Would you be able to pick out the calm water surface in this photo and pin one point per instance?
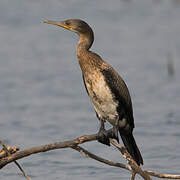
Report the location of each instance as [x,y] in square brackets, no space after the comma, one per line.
[42,97]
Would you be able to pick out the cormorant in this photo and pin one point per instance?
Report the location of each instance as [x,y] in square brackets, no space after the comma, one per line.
[106,89]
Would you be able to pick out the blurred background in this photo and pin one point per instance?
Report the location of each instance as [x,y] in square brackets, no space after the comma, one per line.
[43,99]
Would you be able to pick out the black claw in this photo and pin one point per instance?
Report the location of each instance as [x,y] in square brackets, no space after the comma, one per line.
[103,137]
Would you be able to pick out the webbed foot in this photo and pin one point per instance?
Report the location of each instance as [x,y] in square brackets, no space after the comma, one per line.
[103,137]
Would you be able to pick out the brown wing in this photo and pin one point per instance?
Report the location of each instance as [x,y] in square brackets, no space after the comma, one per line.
[120,92]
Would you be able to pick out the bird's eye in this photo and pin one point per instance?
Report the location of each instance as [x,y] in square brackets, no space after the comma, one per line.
[67,23]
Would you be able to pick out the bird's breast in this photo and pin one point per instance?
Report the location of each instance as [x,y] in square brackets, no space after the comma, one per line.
[101,96]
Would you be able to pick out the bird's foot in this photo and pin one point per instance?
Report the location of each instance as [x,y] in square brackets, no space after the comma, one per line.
[103,137]
[114,133]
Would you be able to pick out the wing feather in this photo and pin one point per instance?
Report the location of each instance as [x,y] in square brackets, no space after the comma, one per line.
[120,91]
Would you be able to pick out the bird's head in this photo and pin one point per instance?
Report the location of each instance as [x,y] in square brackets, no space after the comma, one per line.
[74,25]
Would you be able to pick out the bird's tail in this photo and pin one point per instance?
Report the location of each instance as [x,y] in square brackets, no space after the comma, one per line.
[131,147]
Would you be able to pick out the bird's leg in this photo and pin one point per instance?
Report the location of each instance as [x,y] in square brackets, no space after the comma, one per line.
[102,136]
[117,125]
[114,131]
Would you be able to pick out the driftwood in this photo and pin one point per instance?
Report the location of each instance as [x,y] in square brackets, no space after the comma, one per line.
[6,158]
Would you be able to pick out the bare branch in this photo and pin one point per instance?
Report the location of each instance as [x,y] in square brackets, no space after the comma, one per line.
[44,148]
[11,149]
[74,145]
[168,176]
[17,164]
[100,159]
[130,160]
[133,175]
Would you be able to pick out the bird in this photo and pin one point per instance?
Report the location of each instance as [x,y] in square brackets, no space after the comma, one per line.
[107,90]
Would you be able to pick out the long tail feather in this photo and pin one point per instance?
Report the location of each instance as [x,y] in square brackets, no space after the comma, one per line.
[132,148]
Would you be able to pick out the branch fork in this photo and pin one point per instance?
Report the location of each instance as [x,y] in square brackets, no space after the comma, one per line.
[132,166]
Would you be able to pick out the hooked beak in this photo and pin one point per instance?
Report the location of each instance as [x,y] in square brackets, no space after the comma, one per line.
[57,23]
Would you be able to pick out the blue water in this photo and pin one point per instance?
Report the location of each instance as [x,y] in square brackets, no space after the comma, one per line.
[42,97]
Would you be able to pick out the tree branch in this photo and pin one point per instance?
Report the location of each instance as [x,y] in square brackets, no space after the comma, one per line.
[11,149]
[38,149]
[100,159]
[74,144]
[131,162]
[133,175]
[168,176]
[17,164]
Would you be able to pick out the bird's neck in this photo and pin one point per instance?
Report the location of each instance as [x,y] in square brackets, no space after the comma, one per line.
[85,42]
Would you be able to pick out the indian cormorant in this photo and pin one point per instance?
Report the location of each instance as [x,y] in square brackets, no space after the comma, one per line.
[106,89]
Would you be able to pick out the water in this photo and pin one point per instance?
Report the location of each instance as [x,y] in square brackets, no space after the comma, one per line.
[42,98]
